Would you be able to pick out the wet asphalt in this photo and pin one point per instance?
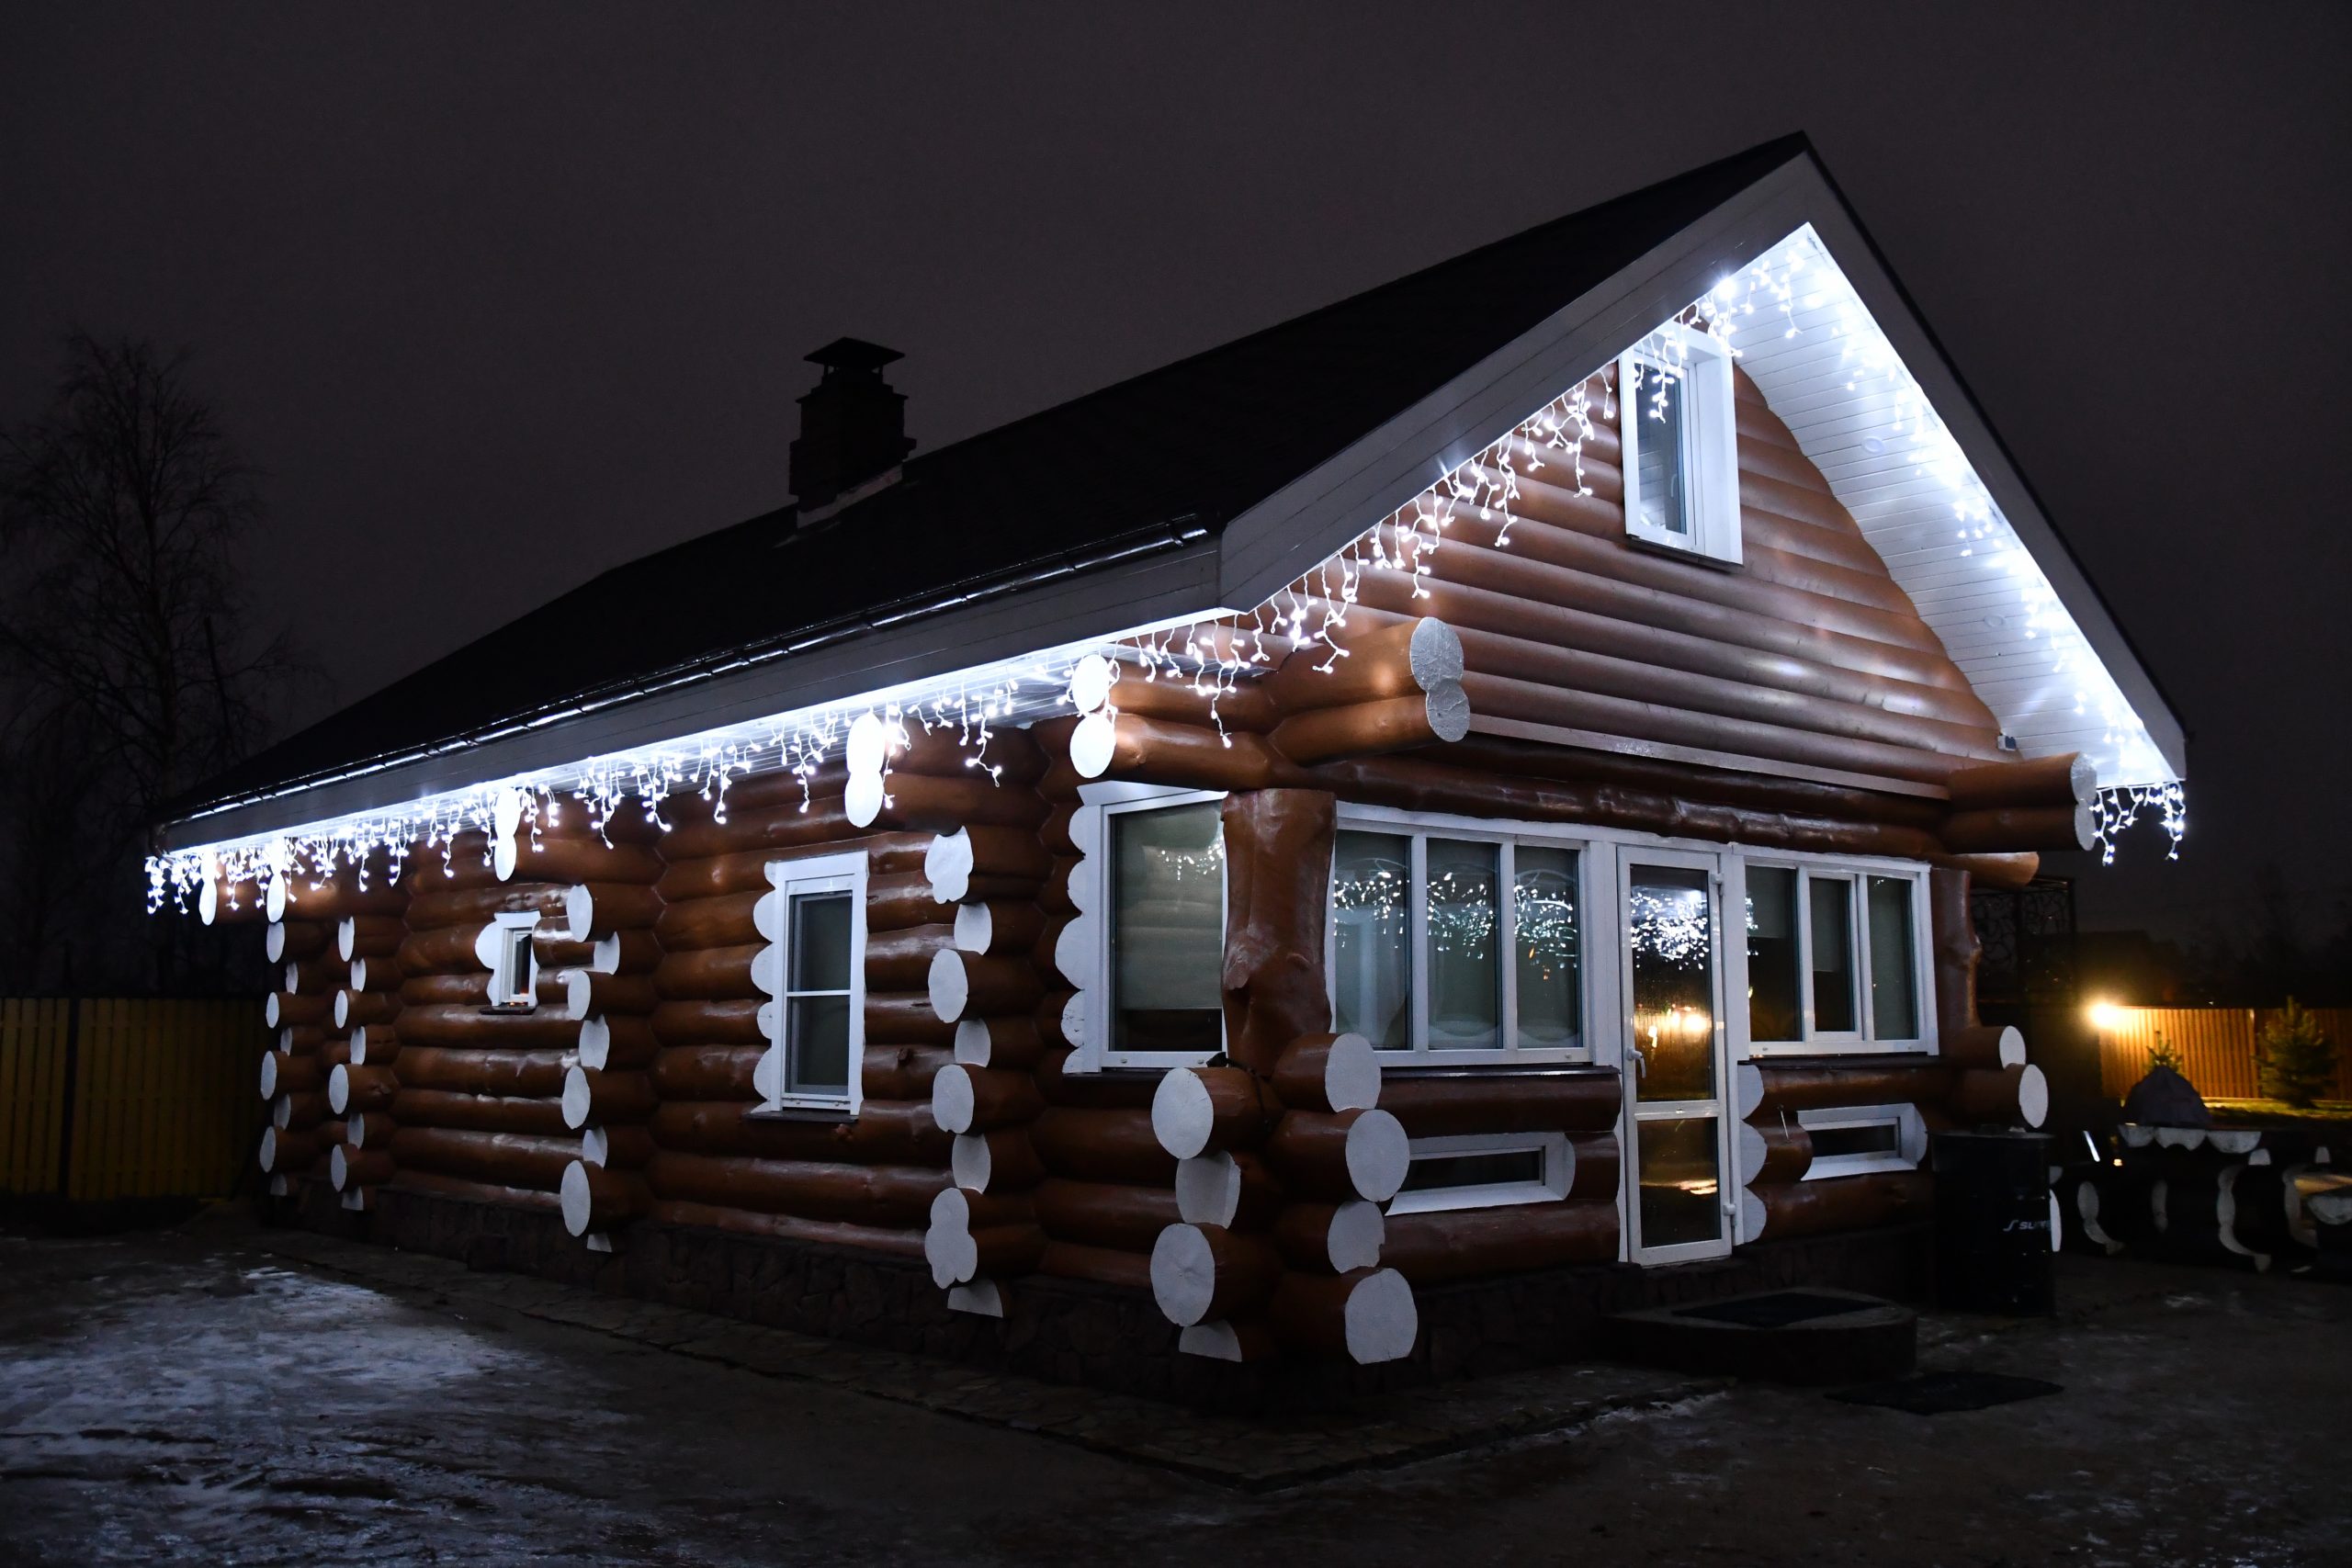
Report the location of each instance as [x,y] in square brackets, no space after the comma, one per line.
[185,1396]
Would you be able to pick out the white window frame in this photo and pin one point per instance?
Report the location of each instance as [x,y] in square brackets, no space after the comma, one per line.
[512,929]
[1710,449]
[1420,828]
[1552,1185]
[1910,1139]
[1091,830]
[1720,863]
[1856,871]
[843,873]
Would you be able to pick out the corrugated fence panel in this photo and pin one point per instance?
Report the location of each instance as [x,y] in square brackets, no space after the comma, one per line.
[32,1091]
[162,1096]
[2219,1048]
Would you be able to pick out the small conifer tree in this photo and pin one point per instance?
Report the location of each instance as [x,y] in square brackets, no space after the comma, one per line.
[2163,1053]
[2298,1060]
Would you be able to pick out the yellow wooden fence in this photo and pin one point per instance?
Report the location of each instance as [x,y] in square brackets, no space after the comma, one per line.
[2217,1047]
[105,1098]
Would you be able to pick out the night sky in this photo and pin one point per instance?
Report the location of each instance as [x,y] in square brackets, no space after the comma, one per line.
[500,297]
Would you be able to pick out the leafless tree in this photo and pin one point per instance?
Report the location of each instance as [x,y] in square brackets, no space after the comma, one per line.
[130,666]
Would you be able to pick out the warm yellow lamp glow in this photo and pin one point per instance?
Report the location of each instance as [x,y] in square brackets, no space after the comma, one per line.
[2106,1015]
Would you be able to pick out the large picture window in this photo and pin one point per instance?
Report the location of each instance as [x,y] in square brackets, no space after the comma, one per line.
[1457,946]
[1833,958]
[1681,451]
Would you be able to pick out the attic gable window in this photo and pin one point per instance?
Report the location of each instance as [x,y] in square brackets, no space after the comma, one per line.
[1680,444]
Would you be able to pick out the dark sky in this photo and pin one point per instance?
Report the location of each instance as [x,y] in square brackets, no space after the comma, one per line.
[501,295]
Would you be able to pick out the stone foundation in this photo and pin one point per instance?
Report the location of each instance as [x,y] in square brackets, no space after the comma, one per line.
[1075,1332]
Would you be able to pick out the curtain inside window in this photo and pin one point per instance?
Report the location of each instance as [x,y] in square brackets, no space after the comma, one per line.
[1372,955]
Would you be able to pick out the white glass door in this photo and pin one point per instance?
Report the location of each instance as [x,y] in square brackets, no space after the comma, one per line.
[1676,1124]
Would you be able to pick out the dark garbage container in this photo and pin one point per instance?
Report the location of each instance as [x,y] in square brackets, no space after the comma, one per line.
[1993,1222]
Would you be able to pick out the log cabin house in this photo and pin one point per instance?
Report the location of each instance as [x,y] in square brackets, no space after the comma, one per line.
[1375,843]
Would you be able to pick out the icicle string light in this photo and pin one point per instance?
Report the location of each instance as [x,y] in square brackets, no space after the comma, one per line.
[1794,281]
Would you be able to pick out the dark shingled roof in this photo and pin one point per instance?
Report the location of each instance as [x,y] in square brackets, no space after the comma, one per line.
[1185,448]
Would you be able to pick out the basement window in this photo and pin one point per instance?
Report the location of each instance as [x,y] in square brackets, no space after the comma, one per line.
[1834,958]
[513,967]
[1680,441]
[1428,956]
[1854,1139]
[1484,1171]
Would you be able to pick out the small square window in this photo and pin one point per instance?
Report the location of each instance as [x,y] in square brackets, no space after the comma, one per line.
[1680,446]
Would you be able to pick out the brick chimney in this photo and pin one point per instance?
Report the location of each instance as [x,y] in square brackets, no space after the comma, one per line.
[853,427]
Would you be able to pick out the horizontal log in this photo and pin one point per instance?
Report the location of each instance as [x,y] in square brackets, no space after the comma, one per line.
[1437,1104]
[434,1184]
[618,1044]
[2010,1096]
[1195,1109]
[734,1022]
[902,1072]
[286,1150]
[322,976]
[941,805]
[884,1195]
[364,1007]
[1002,1161]
[1329,1072]
[971,1236]
[290,942]
[431,908]
[282,1009]
[590,1095]
[1341,1155]
[1224,1188]
[883,1132]
[511,1159]
[1984,1046]
[1003,928]
[1437,1245]
[298,898]
[998,1041]
[349,1168]
[746,871]
[731,920]
[282,1074]
[902,1018]
[1787,1153]
[593,910]
[1372,665]
[902,960]
[982,1100]
[300,1040]
[1198,756]
[974,861]
[1104,1214]
[968,984]
[353,1089]
[884,1240]
[1331,1238]
[442,949]
[710,974]
[293,1112]
[596,1199]
[901,900]
[1205,1272]
[1367,1316]
[488,1028]
[1845,1203]
[617,1149]
[2069,779]
[466,1110]
[537,1074]
[2009,829]
[762,828]
[1863,1081]
[707,1072]
[1102,1265]
[583,993]
[1594,1160]
[1394,724]
[370,936]
[1102,1145]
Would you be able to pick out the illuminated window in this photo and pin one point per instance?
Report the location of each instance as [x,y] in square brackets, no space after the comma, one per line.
[1834,958]
[1163,860]
[1681,451]
[1428,956]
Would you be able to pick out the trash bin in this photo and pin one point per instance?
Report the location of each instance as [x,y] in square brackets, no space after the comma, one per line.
[1993,1222]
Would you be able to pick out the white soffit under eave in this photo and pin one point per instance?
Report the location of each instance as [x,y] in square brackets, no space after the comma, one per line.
[1983,569]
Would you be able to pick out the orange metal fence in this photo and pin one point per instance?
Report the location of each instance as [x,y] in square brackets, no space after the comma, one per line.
[2218,1047]
[105,1098]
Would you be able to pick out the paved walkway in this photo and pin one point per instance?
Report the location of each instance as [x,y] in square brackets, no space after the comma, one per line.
[1253,1455]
